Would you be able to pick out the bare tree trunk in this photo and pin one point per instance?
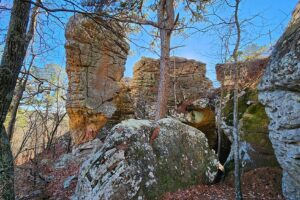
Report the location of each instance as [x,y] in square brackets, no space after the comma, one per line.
[6,168]
[236,139]
[219,121]
[12,60]
[52,134]
[166,23]
[16,101]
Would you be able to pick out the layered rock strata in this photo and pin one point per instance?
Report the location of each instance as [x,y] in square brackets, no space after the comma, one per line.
[280,93]
[96,55]
[189,92]
[250,73]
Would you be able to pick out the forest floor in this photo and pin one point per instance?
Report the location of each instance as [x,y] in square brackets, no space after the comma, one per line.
[257,184]
[260,184]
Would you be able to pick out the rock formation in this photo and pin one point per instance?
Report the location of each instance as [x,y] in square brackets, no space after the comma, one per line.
[280,93]
[188,94]
[250,73]
[256,148]
[95,64]
[141,159]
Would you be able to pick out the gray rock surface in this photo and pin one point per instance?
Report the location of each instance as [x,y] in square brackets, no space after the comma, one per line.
[79,154]
[280,93]
[142,159]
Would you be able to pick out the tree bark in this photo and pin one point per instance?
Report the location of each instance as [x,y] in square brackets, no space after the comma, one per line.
[11,62]
[219,121]
[166,24]
[20,90]
[236,138]
[6,168]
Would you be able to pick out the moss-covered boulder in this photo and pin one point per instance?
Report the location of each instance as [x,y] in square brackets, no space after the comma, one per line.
[254,134]
[142,159]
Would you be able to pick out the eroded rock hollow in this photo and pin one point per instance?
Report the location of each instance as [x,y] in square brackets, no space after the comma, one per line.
[256,148]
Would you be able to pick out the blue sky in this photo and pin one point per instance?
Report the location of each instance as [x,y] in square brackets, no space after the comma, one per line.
[273,16]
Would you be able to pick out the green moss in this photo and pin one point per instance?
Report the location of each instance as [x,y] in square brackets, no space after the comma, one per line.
[173,172]
[255,119]
[250,95]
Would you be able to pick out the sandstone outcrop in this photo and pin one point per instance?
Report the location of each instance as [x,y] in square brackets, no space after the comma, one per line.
[95,64]
[250,73]
[280,93]
[142,159]
[189,91]
[256,148]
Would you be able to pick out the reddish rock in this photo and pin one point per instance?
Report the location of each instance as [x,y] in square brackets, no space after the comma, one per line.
[250,73]
[95,66]
[188,92]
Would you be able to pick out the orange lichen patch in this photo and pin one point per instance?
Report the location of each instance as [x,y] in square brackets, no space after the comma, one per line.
[84,126]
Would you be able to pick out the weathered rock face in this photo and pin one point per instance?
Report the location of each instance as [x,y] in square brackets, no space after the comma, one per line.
[280,93]
[256,148]
[95,66]
[188,92]
[250,73]
[123,102]
[188,82]
[141,159]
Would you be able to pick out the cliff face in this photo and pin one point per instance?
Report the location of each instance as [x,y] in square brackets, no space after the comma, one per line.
[250,73]
[189,91]
[95,66]
[280,93]
[253,121]
[188,83]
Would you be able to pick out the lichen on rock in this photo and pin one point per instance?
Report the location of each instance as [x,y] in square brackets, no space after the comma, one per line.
[134,164]
[257,149]
[279,92]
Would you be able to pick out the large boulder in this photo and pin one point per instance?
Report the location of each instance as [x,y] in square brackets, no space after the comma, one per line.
[143,159]
[96,54]
[280,93]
